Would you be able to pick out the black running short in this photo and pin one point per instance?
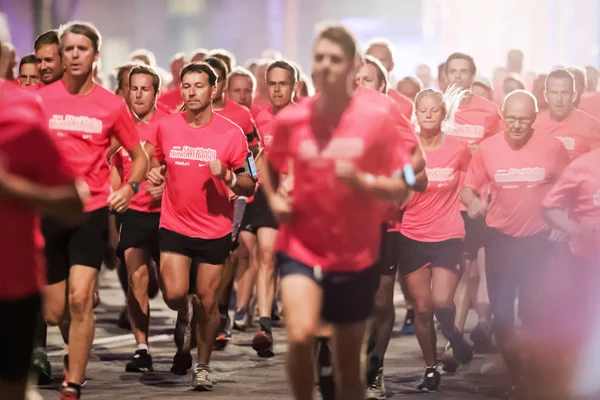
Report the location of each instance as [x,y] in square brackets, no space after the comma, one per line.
[389,253]
[258,214]
[16,337]
[139,230]
[84,244]
[209,251]
[475,230]
[348,297]
[415,255]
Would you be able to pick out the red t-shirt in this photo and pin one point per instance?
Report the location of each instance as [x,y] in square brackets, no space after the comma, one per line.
[434,216]
[240,116]
[590,103]
[518,179]
[82,126]
[195,203]
[171,100]
[142,201]
[258,107]
[26,150]
[335,227]
[403,102]
[579,132]
[475,121]
[578,192]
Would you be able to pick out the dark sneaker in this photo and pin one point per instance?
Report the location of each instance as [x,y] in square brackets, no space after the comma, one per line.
[181,363]
[431,381]
[202,380]
[449,363]
[376,391]
[482,339]
[140,362]
[224,335]
[239,320]
[461,349]
[41,367]
[408,328]
[263,344]
[325,370]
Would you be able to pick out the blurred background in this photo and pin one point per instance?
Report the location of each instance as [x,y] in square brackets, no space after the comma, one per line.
[549,32]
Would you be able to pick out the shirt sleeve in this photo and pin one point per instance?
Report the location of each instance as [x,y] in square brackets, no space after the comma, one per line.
[124,129]
[477,177]
[564,193]
[239,151]
[279,152]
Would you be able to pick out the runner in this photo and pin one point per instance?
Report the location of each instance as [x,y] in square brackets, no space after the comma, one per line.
[372,74]
[483,87]
[33,177]
[475,120]
[282,81]
[48,57]
[29,75]
[138,243]
[202,155]
[241,86]
[578,131]
[84,117]
[519,167]
[328,272]
[409,86]
[432,231]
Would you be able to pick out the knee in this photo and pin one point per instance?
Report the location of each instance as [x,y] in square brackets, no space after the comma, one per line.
[208,300]
[301,334]
[53,317]
[139,278]
[80,302]
[424,316]
[423,305]
[174,296]
[267,258]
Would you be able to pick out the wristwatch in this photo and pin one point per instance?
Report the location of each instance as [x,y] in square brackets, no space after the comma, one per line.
[135,186]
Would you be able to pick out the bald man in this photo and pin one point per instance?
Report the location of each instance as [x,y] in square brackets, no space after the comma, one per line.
[518,166]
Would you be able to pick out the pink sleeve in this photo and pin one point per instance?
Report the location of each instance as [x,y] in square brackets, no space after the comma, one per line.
[279,152]
[463,164]
[124,129]
[239,150]
[564,192]
[155,139]
[477,177]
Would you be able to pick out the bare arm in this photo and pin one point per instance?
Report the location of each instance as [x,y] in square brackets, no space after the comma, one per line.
[418,165]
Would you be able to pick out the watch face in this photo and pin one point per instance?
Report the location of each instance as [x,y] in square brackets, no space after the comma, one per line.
[135,186]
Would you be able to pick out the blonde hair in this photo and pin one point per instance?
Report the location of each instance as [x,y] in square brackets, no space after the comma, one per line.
[450,101]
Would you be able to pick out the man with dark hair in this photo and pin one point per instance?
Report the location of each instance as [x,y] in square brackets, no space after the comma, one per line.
[578,131]
[47,53]
[29,75]
[122,74]
[84,116]
[197,146]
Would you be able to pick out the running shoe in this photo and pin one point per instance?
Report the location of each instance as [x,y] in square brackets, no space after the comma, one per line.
[140,362]
[376,391]
[461,349]
[202,380]
[449,363]
[181,363]
[431,380]
[183,327]
[239,320]
[41,367]
[408,328]
[263,344]
[482,339]
[69,393]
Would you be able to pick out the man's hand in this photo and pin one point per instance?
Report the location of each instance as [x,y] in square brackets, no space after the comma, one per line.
[478,208]
[347,172]
[217,170]
[286,186]
[281,206]
[119,199]
[156,176]
[156,191]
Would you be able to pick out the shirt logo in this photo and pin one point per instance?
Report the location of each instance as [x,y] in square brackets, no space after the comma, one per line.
[515,175]
[440,174]
[76,124]
[568,142]
[597,198]
[193,153]
[468,131]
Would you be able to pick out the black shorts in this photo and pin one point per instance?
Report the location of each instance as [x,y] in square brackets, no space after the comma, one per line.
[66,246]
[415,255]
[209,251]
[389,253]
[139,230]
[16,337]
[258,214]
[348,297]
[475,231]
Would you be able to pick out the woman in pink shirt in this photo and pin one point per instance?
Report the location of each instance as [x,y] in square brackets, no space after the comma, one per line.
[433,231]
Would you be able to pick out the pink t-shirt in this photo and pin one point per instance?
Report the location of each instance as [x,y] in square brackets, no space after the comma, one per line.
[518,179]
[142,201]
[475,121]
[240,116]
[579,132]
[28,151]
[590,103]
[434,216]
[171,100]
[196,204]
[404,103]
[578,192]
[333,226]
[83,126]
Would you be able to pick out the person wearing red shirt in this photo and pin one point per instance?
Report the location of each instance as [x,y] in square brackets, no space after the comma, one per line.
[258,220]
[381,49]
[83,119]
[48,57]
[29,75]
[138,242]
[372,75]
[34,179]
[432,231]
[475,120]
[517,167]
[578,131]
[344,147]
[202,156]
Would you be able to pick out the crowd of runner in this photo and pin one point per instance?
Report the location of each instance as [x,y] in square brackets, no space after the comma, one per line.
[311,196]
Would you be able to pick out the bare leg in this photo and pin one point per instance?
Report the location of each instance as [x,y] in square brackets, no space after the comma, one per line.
[349,376]
[137,296]
[208,320]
